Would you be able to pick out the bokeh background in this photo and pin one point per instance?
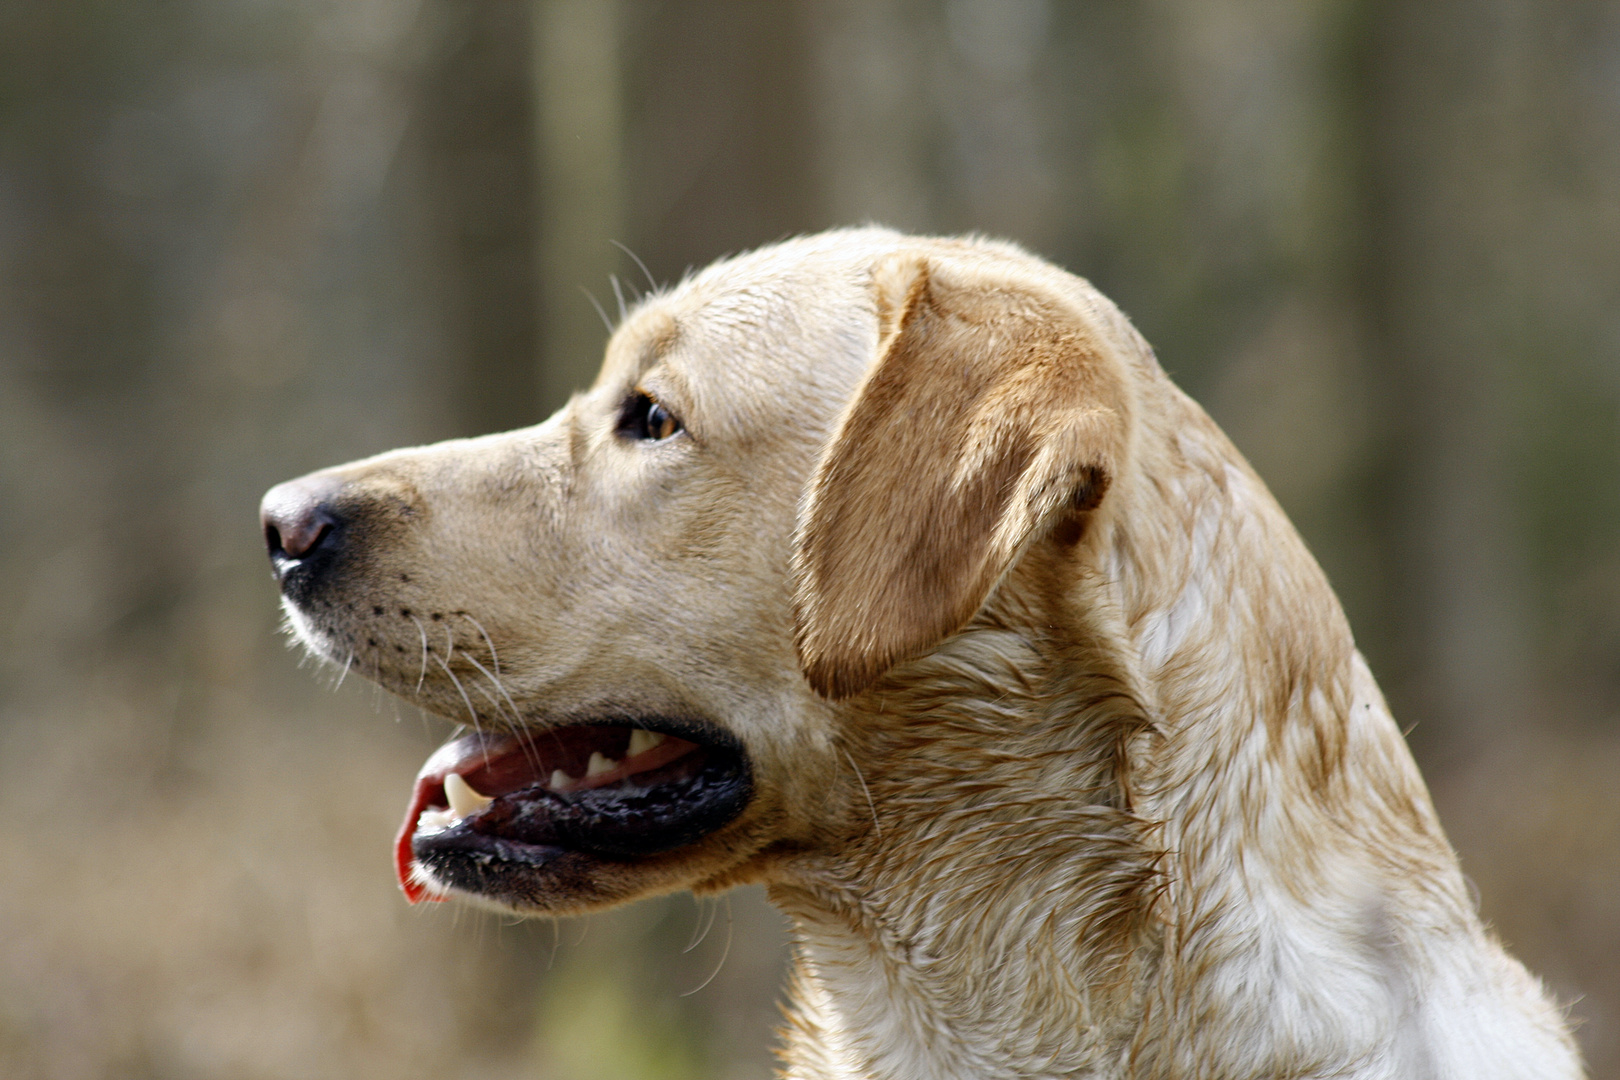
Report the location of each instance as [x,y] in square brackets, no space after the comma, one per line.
[241,239]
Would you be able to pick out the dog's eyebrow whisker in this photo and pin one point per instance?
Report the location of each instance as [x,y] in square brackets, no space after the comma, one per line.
[652,285]
[607,322]
[724,954]
[877,829]
[618,294]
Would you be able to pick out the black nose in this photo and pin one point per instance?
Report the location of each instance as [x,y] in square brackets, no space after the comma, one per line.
[299,522]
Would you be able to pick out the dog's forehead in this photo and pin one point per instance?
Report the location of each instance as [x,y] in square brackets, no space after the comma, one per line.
[785,326]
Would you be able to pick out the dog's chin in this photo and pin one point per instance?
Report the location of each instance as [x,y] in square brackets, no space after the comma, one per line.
[570,818]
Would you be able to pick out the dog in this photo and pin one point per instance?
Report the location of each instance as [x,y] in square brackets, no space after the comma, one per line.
[895,574]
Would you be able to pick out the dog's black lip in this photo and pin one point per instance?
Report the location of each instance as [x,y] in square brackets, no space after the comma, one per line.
[301,578]
[532,834]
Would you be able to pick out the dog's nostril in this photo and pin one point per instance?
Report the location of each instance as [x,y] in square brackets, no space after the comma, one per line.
[297,539]
[297,518]
[296,536]
[298,544]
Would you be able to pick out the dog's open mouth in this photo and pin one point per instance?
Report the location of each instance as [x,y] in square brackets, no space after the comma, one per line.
[489,806]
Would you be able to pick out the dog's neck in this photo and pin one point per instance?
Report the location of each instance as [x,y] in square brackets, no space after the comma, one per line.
[997,873]
[1049,879]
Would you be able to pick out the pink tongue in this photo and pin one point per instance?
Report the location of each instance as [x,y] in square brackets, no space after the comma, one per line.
[459,756]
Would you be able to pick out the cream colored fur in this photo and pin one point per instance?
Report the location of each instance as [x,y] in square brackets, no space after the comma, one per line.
[1065,760]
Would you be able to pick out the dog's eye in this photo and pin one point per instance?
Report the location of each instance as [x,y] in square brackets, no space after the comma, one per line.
[647,419]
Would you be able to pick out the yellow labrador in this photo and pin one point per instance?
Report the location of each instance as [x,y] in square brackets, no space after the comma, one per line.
[894,573]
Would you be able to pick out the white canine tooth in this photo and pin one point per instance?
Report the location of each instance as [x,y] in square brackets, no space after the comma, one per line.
[600,764]
[642,741]
[463,799]
[559,780]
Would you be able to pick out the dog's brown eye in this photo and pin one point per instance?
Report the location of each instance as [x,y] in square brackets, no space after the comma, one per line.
[647,419]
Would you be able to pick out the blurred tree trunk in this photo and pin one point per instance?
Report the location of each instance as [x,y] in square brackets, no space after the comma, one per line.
[720,149]
[1478,343]
[579,129]
[477,108]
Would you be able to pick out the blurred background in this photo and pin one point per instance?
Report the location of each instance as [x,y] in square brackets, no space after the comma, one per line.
[241,239]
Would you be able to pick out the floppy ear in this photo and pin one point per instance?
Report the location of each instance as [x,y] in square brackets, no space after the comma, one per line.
[992,412]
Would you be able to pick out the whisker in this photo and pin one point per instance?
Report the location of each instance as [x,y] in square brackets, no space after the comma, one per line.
[491,698]
[870,805]
[700,929]
[493,659]
[652,286]
[420,629]
[618,294]
[344,674]
[482,670]
[495,662]
[607,322]
[449,654]
[464,698]
[723,955]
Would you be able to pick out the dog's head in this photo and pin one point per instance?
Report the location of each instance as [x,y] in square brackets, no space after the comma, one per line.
[662,612]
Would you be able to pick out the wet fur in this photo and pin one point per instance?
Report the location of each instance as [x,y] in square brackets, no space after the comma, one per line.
[1066,763]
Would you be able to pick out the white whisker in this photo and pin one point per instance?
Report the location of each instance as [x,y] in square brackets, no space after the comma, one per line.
[700,929]
[723,955]
[618,294]
[485,672]
[344,674]
[607,322]
[651,284]
[420,629]
[493,659]
[464,698]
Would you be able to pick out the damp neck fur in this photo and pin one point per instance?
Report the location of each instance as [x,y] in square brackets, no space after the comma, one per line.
[1146,821]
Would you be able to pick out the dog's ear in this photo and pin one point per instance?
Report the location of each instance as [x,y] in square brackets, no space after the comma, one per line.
[993,413]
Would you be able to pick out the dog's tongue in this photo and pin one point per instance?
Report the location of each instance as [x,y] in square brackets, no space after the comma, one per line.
[456,756]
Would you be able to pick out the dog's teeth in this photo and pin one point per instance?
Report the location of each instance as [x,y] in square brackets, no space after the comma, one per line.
[559,780]
[434,820]
[600,764]
[463,799]
[642,741]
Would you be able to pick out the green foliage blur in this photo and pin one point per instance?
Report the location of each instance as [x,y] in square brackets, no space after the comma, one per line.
[241,239]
